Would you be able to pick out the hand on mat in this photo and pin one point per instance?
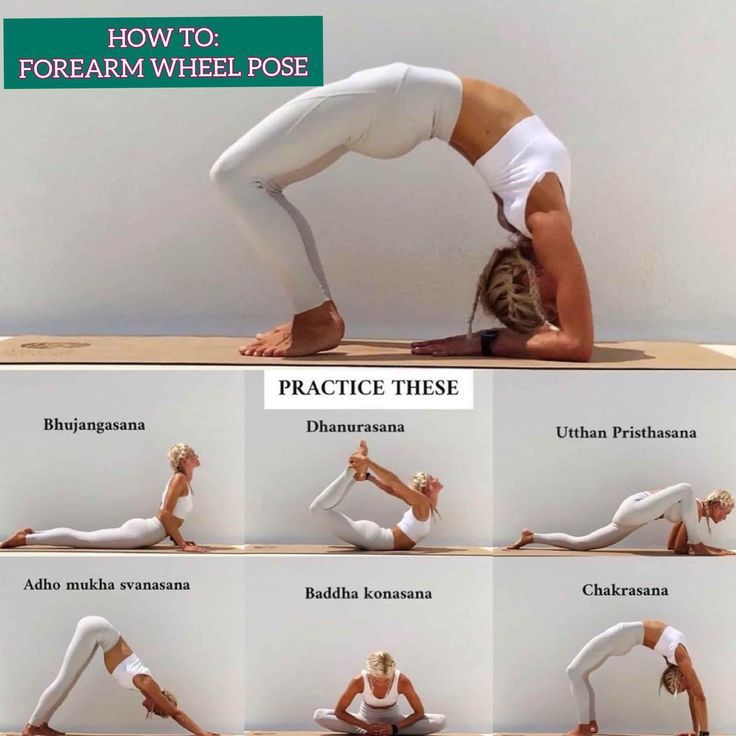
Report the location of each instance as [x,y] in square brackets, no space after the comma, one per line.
[192,547]
[455,345]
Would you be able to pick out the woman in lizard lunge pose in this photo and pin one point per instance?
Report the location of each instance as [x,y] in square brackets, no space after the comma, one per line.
[676,504]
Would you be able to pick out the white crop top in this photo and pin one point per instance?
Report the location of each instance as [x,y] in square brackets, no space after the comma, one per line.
[413,528]
[520,160]
[184,504]
[391,697]
[669,641]
[127,670]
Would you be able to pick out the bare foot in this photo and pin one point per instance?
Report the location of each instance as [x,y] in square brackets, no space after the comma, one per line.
[17,540]
[309,333]
[593,726]
[43,730]
[583,729]
[527,537]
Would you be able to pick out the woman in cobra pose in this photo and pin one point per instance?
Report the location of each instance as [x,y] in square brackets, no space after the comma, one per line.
[121,662]
[416,523]
[677,504]
[177,503]
[537,288]
[679,675]
[380,685]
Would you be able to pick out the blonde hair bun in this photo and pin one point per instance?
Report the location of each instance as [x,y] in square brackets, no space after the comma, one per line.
[380,664]
[176,454]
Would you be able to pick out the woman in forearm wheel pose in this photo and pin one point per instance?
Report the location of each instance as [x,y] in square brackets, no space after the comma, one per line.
[421,497]
[127,670]
[380,685]
[679,675]
[537,288]
[177,504]
[676,504]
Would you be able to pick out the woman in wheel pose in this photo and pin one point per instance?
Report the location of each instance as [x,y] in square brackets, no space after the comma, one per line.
[177,504]
[676,504]
[379,685]
[679,675]
[420,496]
[121,662]
[537,287]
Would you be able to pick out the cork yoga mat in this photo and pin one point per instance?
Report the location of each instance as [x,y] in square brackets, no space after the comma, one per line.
[616,552]
[159,549]
[328,549]
[48,349]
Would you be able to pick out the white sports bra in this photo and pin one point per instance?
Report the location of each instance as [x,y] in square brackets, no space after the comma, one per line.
[391,697]
[413,528]
[127,670]
[669,641]
[522,157]
[184,504]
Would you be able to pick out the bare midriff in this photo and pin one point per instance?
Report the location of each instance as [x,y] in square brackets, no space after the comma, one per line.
[487,113]
[117,654]
[401,541]
[653,631]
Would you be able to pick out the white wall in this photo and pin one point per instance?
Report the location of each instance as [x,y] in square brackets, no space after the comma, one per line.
[99,184]
[287,468]
[542,620]
[576,485]
[172,633]
[300,654]
[90,481]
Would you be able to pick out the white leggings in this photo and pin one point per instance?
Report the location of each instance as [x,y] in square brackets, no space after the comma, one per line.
[613,642]
[634,512]
[135,533]
[363,534]
[91,632]
[381,113]
[430,723]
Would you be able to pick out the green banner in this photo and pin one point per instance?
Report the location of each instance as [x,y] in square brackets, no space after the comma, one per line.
[257,51]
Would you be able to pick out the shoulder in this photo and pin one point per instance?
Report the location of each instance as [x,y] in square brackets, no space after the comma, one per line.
[178,481]
[682,656]
[356,683]
[404,682]
[145,683]
[551,221]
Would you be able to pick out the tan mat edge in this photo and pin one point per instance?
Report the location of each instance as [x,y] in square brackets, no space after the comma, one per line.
[329,549]
[188,350]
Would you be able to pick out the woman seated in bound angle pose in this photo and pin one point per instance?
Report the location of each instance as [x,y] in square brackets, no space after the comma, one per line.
[177,503]
[421,498]
[679,675]
[380,685]
[537,288]
[677,504]
[127,670]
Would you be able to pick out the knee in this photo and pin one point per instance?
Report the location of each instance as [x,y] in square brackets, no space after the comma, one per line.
[320,716]
[573,672]
[687,490]
[439,722]
[237,170]
[92,623]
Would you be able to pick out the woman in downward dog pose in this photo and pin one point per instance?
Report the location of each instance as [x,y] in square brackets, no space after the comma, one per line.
[380,685]
[537,288]
[177,504]
[677,504]
[679,675]
[415,524]
[127,670]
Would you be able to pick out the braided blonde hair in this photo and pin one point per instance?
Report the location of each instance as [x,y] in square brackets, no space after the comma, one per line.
[724,498]
[670,680]
[381,664]
[176,454]
[502,293]
[171,698]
